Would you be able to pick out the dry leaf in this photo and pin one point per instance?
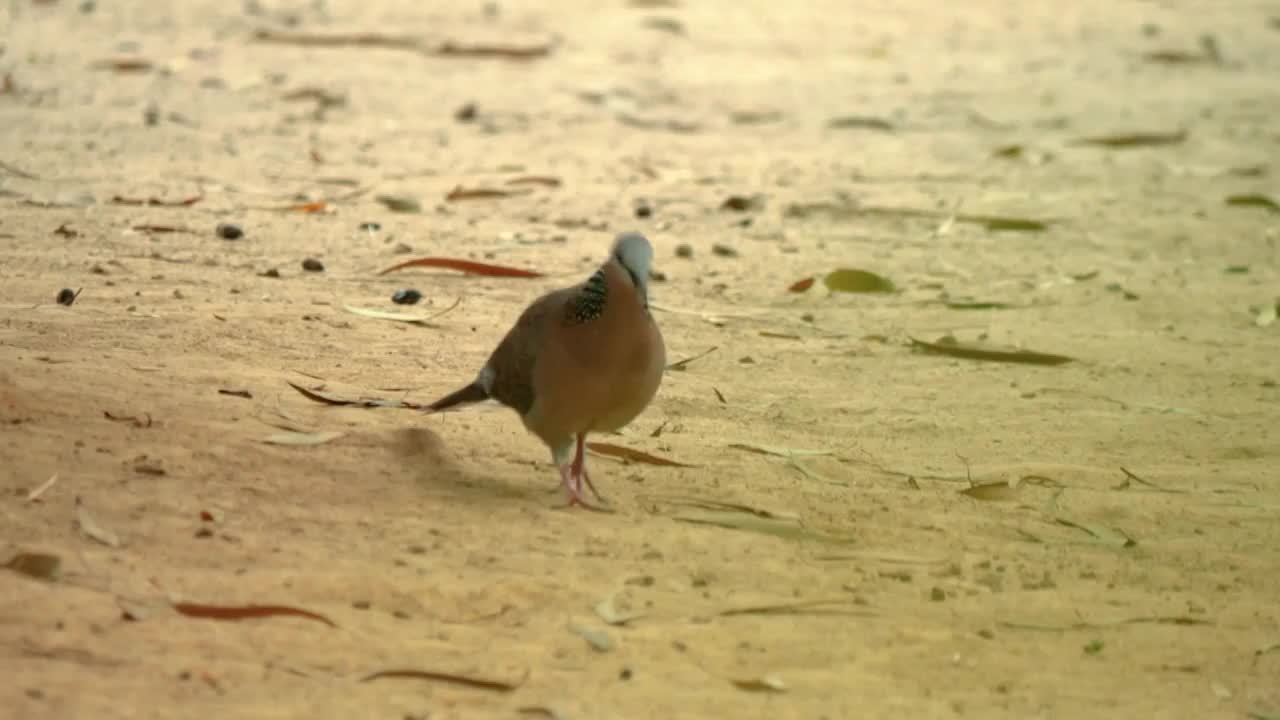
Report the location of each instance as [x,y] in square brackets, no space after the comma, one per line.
[157,202]
[461,193]
[34,495]
[1254,200]
[994,491]
[609,613]
[469,267]
[857,281]
[597,639]
[834,606]
[245,612]
[682,364]
[92,529]
[544,180]
[629,454]
[800,286]
[301,438]
[765,683]
[363,402]
[951,348]
[42,566]
[388,315]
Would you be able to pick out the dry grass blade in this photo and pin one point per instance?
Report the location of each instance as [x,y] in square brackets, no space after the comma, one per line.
[500,52]
[422,320]
[777,451]
[312,395]
[1254,200]
[469,267]
[684,364]
[765,683]
[1133,139]
[361,403]
[461,193]
[34,495]
[832,606]
[246,612]
[1104,535]
[338,40]
[982,352]
[993,491]
[448,677]
[302,438]
[43,566]
[632,455]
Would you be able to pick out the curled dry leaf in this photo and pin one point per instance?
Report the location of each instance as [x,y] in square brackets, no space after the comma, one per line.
[857,281]
[92,529]
[448,677]
[1254,200]
[43,566]
[469,267]
[949,347]
[246,612]
[632,455]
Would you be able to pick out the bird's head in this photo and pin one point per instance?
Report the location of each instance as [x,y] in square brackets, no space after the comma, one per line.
[634,253]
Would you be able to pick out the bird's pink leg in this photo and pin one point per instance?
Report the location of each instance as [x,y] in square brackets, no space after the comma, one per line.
[580,468]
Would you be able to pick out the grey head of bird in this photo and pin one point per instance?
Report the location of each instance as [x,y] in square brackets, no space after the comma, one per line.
[634,253]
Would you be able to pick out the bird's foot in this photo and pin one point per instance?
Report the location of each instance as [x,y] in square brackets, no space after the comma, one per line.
[572,485]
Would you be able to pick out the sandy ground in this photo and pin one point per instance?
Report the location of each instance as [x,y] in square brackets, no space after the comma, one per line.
[866,584]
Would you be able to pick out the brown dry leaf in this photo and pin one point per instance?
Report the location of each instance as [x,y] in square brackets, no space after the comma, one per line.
[319,206]
[1134,139]
[141,421]
[362,402]
[999,491]
[163,229]
[719,395]
[632,455]
[800,286]
[124,65]
[500,52]
[497,685]
[470,267]
[42,566]
[764,683]
[156,202]
[336,40]
[244,612]
[951,348]
[833,606]
[92,529]
[461,193]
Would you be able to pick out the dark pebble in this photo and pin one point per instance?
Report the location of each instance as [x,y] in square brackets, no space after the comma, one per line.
[229,231]
[408,296]
[271,273]
[643,210]
[370,227]
[67,296]
[684,250]
[312,265]
[466,113]
[724,250]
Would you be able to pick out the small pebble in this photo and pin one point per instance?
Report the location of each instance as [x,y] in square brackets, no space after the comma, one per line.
[151,116]
[407,296]
[370,227]
[684,250]
[657,276]
[67,296]
[724,250]
[402,249]
[312,265]
[270,273]
[229,231]
[643,210]
[466,113]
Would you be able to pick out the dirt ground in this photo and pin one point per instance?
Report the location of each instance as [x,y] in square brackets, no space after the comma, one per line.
[856,580]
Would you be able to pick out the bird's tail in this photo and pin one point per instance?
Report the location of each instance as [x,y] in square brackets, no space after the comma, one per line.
[472,393]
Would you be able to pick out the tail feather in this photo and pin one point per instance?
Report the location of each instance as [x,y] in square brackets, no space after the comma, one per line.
[472,393]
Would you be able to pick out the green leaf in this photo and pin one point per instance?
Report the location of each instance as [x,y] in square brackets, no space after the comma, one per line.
[857,281]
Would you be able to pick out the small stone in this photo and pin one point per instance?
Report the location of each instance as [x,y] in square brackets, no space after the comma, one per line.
[229,231]
[400,203]
[361,604]
[684,250]
[312,265]
[407,296]
[937,594]
[67,296]
[402,249]
[643,210]
[467,113]
[370,227]
[724,250]
[98,269]
[625,674]
[151,116]
[204,532]
[986,634]
[177,294]
[657,276]
[270,273]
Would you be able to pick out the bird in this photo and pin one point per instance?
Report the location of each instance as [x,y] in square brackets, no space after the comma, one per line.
[579,360]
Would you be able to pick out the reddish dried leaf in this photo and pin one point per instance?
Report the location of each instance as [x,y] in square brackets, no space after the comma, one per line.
[545,180]
[311,207]
[482,683]
[800,286]
[461,193]
[245,612]
[626,453]
[469,267]
[125,65]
